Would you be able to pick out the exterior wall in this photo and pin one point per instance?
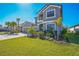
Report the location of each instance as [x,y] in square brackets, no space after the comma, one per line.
[57,13]
[45,21]
[24,26]
[77,28]
[23,29]
[50,23]
[72,30]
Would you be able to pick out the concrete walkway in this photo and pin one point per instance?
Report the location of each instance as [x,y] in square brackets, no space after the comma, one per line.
[4,37]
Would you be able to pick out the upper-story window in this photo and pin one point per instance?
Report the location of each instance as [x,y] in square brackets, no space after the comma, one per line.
[50,13]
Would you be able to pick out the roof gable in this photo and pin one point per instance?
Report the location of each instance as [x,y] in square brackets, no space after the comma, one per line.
[26,23]
[48,6]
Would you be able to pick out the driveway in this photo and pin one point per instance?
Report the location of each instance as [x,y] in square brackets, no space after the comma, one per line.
[4,37]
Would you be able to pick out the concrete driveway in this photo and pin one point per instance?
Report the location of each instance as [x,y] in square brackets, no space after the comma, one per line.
[4,37]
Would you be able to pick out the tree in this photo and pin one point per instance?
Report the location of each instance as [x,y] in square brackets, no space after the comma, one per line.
[13,24]
[18,20]
[8,25]
[32,32]
[58,23]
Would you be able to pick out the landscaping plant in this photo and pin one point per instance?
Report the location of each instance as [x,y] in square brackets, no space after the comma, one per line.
[32,32]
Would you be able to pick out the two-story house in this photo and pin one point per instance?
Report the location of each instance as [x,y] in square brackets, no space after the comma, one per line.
[47,15]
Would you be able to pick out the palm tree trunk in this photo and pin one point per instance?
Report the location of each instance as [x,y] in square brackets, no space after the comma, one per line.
[7,27]
[18,26]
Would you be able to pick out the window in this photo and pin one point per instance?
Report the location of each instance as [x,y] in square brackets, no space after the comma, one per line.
[50,26]
[50,13]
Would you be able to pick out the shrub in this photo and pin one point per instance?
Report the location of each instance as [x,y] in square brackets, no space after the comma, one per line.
[14,32]
[64,31]
[32,32]
[63,34]
[77,33]
[41,35]
[47,34]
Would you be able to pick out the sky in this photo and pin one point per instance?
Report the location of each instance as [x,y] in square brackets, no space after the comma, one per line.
[27,12]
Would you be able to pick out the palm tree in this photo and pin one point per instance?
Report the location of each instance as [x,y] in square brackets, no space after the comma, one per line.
[13,24]
[58,23]
[8,25]
[18,20]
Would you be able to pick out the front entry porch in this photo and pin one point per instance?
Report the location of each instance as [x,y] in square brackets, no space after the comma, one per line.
[47,26]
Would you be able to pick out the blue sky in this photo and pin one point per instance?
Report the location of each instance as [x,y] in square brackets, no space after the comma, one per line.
[27,12]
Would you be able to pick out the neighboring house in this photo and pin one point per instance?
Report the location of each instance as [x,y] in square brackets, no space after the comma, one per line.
[47,15]
[9,28]
[24,26]
[74,28]
[0,26]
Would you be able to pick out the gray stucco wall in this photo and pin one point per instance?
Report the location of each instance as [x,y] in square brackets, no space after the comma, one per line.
[58,13]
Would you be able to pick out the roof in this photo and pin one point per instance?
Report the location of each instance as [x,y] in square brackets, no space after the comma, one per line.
[46,5]
[77,25]
[26,24]
[74,25]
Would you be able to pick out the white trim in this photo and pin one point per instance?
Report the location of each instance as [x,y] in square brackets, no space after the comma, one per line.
[39,20]
[48,7]
[46,22]
[52,6]
[49,11]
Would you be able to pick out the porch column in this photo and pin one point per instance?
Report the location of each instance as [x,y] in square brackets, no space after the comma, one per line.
[37,27]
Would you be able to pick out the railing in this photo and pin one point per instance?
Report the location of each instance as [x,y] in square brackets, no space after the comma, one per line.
[39,20]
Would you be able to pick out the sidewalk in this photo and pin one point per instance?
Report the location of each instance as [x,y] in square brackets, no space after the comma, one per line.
[3,37]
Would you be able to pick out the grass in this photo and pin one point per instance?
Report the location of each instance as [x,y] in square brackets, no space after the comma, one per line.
[24,46]
[2,33]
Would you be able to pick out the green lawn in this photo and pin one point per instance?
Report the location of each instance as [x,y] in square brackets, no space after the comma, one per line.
[2,33]
[32,47]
